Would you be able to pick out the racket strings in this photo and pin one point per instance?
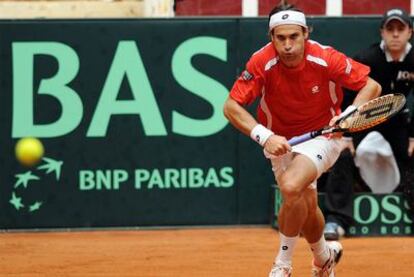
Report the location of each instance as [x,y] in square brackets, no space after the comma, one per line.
[375,112]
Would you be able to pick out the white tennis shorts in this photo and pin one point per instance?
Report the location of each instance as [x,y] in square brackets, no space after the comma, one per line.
[323,152]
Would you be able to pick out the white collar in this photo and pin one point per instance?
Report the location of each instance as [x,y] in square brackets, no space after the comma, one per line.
[388,55]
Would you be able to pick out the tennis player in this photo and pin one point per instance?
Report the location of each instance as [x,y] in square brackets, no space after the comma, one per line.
[299,84]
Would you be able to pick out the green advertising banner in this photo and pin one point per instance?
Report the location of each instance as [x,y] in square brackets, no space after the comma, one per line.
[130,116]
[374,214]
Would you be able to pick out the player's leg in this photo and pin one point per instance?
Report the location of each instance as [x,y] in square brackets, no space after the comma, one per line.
[310,160]
[326,254]
[313,228]
[292,181]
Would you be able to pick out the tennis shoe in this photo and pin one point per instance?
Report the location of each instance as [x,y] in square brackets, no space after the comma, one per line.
[281,271]
[328,269]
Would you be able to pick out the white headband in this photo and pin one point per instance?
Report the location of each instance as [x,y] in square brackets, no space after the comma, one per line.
[287,17]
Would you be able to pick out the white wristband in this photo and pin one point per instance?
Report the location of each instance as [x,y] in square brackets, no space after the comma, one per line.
[350,109]
[260,134]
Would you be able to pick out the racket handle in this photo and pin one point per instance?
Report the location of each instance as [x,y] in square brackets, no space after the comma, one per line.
[302,138]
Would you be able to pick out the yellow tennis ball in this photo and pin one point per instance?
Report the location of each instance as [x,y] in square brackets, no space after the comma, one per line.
[29,151]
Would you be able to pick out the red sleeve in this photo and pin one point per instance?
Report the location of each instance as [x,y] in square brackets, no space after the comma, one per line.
[347,72]
[249,84]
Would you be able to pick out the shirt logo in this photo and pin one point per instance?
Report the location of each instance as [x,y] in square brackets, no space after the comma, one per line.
[315,89]
[405,76]
[246,75]
[394,11]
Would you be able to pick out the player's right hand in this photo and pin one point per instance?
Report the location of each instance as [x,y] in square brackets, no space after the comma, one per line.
[277,145]
[334,120]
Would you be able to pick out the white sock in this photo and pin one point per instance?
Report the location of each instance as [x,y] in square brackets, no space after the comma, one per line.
[287,245]
[320,251]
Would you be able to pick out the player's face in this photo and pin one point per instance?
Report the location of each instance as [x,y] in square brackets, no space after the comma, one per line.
[289,41]
[396,35]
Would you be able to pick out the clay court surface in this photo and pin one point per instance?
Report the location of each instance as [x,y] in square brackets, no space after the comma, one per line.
[227,251]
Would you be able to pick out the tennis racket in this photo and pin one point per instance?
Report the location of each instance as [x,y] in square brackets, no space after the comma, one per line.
[367,115]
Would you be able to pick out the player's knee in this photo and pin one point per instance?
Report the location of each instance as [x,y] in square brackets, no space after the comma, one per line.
[290,192]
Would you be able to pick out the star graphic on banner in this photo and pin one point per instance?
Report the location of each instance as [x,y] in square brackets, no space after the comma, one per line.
[51,165]
[35,206]
[49,168]
[16,201]
[23,179]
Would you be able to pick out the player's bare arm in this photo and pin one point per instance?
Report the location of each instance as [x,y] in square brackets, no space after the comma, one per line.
[371,90]
[411,147]
[238,116]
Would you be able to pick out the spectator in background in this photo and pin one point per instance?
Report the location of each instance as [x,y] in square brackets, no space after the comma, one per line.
[392,65]
[299,83]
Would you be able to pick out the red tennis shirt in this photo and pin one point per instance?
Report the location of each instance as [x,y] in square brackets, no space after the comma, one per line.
[301,99]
